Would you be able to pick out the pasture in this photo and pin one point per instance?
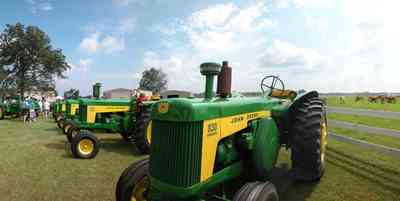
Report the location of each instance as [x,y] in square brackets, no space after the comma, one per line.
[350,102]
[36,165]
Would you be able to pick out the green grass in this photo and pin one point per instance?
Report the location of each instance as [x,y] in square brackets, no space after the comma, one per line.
[367,120]
[364,104]
[352,174]
[36,165]
[389,141]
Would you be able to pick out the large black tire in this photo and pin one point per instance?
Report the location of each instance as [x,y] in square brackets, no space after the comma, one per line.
[133,175]
[308,140]
[58,117]
[257,191]
[60,123]
[67,125]
[72,133]
[85,145]
[1,113]
[140,134]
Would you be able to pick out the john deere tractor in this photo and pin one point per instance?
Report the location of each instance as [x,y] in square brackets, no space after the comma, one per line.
[71,109]
[111,115]
[10,106]
[59,110]
[225,148]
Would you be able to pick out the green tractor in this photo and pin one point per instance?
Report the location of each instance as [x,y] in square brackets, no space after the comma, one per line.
[10,106]
[71,109]
[112,115]
[225,148]
[59,109]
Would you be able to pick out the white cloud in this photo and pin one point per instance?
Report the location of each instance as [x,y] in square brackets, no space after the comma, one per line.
[304,3]
[126,25]
[82,66]
[285,54]
[95,43]
[40,5]
[319,24]
[90,44]
[111,44]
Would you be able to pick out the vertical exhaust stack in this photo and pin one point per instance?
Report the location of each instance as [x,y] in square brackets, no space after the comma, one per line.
[224,84]
[209,70]
[96,90]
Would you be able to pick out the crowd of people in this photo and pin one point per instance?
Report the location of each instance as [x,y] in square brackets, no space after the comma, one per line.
[31,112]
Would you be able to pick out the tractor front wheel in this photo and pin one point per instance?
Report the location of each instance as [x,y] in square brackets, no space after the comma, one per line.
[72,133]
[85,145]
[257,191]
[140,136]
[67,126]
[61,123]
[133,182]
[308,140]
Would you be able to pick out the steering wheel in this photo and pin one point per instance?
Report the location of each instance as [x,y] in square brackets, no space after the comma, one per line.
[272,83]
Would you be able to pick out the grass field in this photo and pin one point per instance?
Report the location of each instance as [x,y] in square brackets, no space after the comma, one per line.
[369,137]
[350,102]
[35,165]
[366,120]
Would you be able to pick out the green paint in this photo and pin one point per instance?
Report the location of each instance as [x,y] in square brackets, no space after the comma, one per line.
[164,190]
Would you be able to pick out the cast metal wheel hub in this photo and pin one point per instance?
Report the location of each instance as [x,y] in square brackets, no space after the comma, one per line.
[86,146]
[140,188]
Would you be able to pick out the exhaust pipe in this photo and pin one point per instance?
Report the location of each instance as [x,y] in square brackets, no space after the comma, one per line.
[224,84]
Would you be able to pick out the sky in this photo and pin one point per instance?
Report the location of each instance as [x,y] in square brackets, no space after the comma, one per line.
[324,45]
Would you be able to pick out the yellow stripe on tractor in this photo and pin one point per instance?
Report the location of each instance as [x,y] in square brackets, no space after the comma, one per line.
[216,129]
[74,107]
[93,110]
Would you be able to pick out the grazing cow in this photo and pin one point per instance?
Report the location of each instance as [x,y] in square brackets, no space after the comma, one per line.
[373,99]
[359,98]
[341,100]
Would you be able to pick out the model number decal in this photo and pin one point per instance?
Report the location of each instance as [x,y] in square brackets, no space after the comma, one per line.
[212,128]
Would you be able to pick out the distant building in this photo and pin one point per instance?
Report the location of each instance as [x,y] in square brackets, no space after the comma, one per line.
[175,94]
[118,93]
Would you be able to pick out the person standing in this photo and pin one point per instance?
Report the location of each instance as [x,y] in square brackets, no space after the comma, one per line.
[46,107]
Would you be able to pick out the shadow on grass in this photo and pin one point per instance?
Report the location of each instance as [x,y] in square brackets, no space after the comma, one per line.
[118,146]
[380,176]
[288,189]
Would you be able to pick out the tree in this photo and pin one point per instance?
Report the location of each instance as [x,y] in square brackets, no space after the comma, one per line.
[154,80]
[27,59]
[72,94]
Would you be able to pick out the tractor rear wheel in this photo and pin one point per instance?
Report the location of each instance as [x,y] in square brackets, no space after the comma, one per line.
[257,191]
[72,133]
[133,182]
[1,113]
[140,136]
[308,140]
[85,145]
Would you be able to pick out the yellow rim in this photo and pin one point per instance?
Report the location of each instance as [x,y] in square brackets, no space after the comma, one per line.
[140,188]
[148,132]
[86,146]
[324,138]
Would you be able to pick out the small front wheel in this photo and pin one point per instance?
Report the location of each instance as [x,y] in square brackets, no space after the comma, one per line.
[85,145]
[134,182]
[257,191]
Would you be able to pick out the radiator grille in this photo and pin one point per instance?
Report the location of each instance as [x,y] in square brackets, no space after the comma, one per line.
[176,152]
